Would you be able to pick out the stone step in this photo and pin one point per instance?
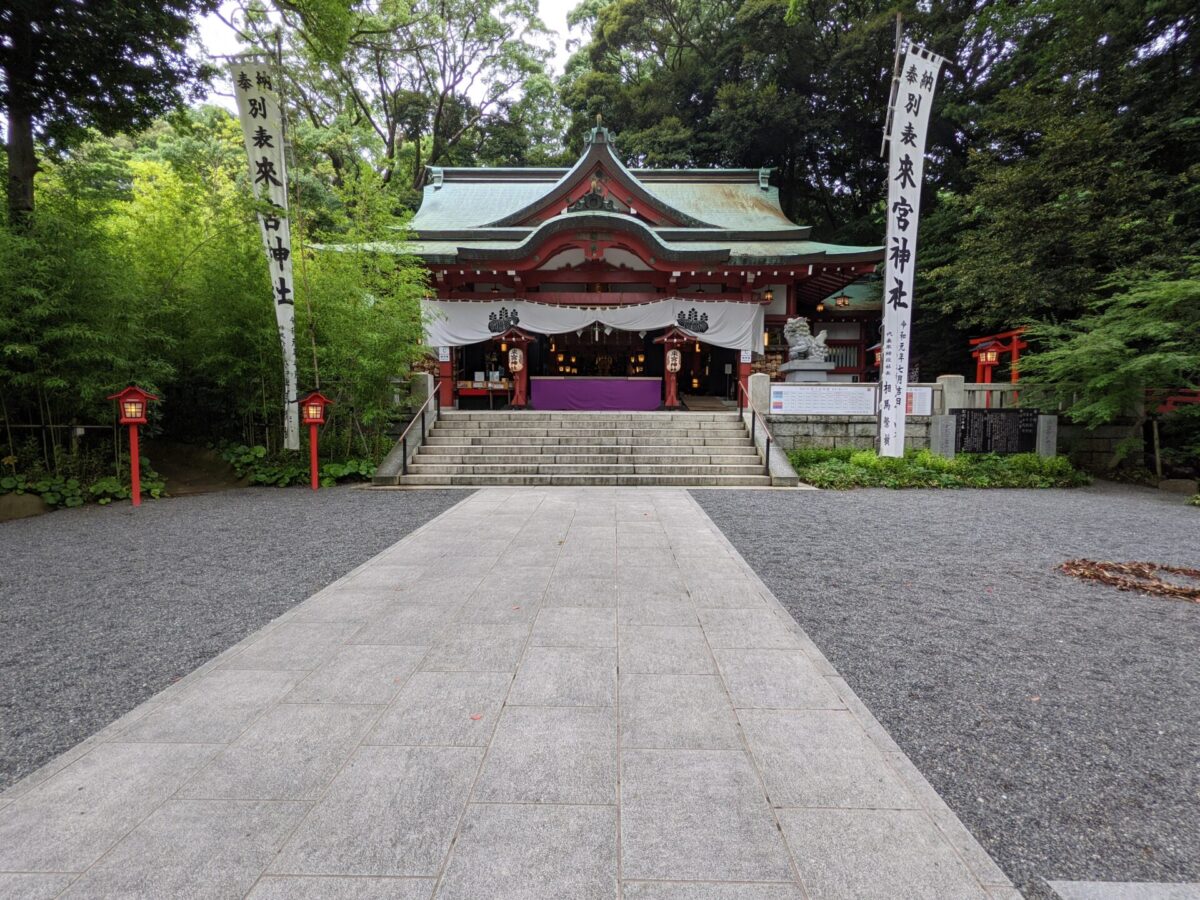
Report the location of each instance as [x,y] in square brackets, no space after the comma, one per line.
[423,468]
[436,439]
[517,422]
[589,480]
[452,415]
[496,432]
[585,448]
[748,458]
[605,436]
[533,448]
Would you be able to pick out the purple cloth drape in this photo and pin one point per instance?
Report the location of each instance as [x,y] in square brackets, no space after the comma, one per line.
[602,394]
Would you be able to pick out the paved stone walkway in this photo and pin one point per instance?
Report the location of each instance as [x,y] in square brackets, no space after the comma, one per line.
[558,693]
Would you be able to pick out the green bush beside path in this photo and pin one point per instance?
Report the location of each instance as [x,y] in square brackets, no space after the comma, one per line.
[847,468]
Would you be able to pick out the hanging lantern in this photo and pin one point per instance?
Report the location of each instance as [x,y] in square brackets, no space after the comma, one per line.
[516,360]
[503,347]
[674,360]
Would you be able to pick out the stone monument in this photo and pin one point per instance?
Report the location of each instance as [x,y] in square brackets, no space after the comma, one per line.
[807,355]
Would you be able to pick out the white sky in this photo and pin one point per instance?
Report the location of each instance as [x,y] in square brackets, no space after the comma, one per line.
[217,38]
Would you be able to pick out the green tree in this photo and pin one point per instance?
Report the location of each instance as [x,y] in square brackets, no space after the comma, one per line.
[1085,163]
[66,67]
[415,84]
[1140,342]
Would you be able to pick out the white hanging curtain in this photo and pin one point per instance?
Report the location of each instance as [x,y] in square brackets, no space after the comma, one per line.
[455,323]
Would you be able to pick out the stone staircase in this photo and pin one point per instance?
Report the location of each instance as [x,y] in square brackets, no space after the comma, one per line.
[585,448]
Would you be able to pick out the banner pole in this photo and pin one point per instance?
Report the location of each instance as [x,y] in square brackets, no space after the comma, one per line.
[913,86]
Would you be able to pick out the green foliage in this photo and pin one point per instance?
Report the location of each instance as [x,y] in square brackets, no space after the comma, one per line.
[54,490]
[1145,337]
[843,469]
[800,87]
[1194,501]
[143,263]
[394,87]
[66,67]
[60,491]
[351,470]
[1082,180]
[259,467]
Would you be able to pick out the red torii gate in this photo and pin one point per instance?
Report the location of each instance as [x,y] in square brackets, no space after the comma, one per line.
[987,351]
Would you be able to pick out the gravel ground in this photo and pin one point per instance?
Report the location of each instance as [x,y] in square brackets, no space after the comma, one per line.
[102,607]
[1060,719]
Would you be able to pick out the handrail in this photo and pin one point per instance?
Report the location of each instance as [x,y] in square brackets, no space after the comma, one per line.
[754,414]
[434,398]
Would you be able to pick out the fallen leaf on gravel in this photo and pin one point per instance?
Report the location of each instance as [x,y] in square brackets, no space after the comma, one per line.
[476,717]
[1137,576]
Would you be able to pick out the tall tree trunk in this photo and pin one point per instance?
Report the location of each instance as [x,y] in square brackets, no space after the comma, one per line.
[18,76]
[22,165]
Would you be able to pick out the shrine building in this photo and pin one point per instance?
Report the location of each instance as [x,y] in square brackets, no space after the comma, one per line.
[578,289]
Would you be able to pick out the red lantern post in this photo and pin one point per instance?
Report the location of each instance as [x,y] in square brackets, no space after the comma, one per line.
[131,411]
[673,340]
[517,357]
[312,412]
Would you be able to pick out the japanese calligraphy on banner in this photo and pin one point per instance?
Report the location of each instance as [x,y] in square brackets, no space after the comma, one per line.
[911,102]
[262,130]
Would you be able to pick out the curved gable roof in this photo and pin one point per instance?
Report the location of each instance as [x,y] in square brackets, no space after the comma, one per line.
[599,151]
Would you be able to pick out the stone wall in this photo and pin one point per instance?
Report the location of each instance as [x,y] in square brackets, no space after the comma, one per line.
[793,432]
[1096,450]
[1093,450]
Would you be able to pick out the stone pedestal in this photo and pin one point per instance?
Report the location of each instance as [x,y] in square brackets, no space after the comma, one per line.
[806,370]
[1047,436]
[942,433]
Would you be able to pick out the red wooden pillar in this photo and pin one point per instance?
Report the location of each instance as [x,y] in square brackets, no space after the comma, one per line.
[314,467]
[445,382]
[135,468]
[743,371]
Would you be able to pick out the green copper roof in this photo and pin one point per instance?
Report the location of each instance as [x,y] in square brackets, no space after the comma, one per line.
[865,296]
[724,216]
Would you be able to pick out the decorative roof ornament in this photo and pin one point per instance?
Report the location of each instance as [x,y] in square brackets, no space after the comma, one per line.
[595,200]
[599,134]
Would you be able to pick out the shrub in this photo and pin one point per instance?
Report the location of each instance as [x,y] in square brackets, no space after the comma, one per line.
[59,491]
[255,464]
[842,469]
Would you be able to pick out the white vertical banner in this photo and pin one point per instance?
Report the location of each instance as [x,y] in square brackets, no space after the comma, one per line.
[262,129]
[911,102]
